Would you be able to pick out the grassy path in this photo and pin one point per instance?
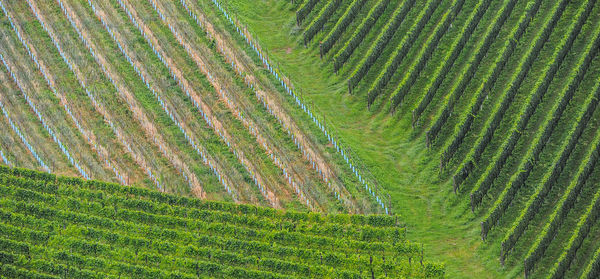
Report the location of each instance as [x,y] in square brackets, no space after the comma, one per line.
[386,144]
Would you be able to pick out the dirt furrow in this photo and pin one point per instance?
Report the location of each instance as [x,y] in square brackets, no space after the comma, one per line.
[353,162]
[37,116]
[98,148]
[99,107]
[29,87]
[15,153]
[15,127]
[272,101]
[233,188]
[202,106]
[135,107]
[293,178]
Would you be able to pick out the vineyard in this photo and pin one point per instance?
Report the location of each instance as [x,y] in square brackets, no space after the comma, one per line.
[494,102]
[154,94]
[58,227]
[300,138]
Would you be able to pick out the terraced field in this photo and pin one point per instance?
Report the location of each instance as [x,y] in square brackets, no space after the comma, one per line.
[494,99]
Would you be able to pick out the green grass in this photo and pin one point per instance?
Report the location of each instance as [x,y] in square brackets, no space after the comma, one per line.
[385,143]
[27,122]
[62,226]
[390,154]
[396,155]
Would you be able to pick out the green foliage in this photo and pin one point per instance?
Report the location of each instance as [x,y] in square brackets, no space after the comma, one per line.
[317,24]
[357,37]
[398,55]
[466,76]
[305,10]
[458,46]
[593,269]
[534,100]
[533,155]
[382,40]
[565,204]
[424,56]
[510,74]
[579,234]
[340,26]
[507,98]
[95,229]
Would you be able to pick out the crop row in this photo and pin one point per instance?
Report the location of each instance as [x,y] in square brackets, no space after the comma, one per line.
[77,69]
[175,217]
[431,44]
[248,221]
[285,83]
[220,208]
[43,121]
[382,40]
[92,265]
[14,153]
[116,247]
[112,224]
[517,79]
[550,179]
[317,24]
[50,81]
[508,95]
[200,104]
[251,128]
[167,151]
[98,106]
[305,10]
[125,94]
[482,92]
[565,204]
[550,123]
[23,139]
[89,211]
[142,73]
[580,232]
[593,269]
[465,76]
[150,237]
[300,140]
[340,27]
[532,101]
[14,74]
[4,159]
[398,55]
[358,36]
[450,58]
[255,129]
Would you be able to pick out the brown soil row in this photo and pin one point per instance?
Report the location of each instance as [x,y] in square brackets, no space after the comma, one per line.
[215,123]
[125,142]
[10,144]
[138,112]
[294,179]
[18,148]
[88,134]
[222,169]
[23,117]
[272,100]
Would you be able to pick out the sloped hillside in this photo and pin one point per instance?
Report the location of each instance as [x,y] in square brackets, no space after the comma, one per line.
[150,93]
[495,101]
[66,227]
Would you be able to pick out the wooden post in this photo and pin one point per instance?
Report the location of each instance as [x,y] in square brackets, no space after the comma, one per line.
[421,254]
